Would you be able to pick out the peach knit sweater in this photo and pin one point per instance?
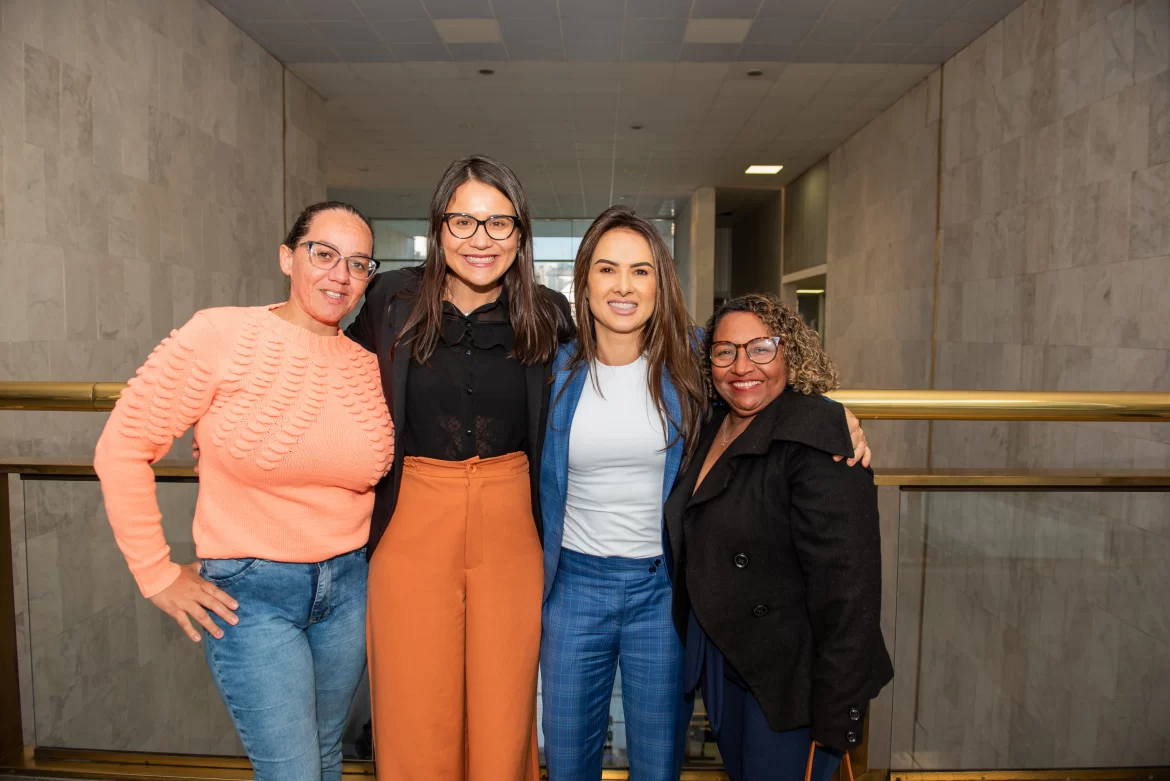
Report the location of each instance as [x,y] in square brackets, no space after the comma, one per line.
[293,436]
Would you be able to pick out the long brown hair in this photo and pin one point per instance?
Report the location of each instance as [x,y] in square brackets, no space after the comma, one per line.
[534,317]
[666,338]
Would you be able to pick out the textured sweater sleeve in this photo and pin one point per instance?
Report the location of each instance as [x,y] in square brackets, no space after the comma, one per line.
[171,391]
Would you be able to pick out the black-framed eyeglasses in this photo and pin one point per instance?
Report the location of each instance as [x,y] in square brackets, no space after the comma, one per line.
[326,256]
[464,226]
[759,351]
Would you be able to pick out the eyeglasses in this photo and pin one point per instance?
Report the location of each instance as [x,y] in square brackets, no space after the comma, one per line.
[759,351]
[325,256]
[464,226]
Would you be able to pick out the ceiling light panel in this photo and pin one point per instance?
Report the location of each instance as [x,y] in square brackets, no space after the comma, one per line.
[468,30]
[717,30]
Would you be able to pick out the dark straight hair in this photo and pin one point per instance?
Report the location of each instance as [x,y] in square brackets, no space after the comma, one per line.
[667,339]
[535,319]
[301,223]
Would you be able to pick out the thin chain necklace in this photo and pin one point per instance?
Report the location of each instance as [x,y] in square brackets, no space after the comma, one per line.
[726,438]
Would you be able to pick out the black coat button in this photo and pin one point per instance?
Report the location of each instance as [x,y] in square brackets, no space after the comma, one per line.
[741,560]
[759,611]
[851,736]
[855,714]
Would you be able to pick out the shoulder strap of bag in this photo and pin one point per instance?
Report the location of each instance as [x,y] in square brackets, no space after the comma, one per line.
[812,750]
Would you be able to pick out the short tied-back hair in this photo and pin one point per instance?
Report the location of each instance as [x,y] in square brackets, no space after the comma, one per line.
[301,223]
[809,369]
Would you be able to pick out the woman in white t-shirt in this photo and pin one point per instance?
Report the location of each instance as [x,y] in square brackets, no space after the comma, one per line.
[627,402]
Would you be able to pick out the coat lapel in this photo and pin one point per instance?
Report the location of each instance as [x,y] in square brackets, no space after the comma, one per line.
[535,377]
[721,471]
[674,454]
[399,369]
[399,310]
[562,416]
[680,497]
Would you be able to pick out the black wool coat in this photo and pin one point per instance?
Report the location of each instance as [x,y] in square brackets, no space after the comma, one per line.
[779,554]
[389,299]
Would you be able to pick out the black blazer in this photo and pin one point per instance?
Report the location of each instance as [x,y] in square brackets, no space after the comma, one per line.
[779,554]
[388,301]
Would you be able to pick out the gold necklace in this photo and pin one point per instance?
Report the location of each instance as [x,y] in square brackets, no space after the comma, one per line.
[726,440]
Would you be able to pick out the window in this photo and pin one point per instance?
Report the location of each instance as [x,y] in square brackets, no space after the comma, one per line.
[403,243]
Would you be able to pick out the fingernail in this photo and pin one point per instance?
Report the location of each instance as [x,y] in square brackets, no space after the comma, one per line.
[235,606]
[235,620]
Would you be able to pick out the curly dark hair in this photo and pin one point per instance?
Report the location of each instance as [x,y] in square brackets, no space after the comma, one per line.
[809,369]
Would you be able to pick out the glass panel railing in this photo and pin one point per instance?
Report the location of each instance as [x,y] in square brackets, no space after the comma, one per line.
[110,672]
[1032,630]
[1026,610]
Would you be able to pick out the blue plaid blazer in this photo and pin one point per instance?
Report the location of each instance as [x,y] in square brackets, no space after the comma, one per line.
[554,462]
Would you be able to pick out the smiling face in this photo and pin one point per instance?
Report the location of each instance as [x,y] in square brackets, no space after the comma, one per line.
[319,298]
[477,264]
[747,387]
[623,283]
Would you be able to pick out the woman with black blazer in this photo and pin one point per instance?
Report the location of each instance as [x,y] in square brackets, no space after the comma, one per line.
[464,345]
[777,553]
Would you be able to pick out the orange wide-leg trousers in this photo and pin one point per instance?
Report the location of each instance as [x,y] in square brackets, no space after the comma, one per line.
[453,626]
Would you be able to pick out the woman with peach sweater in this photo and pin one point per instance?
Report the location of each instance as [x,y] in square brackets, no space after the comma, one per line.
[293,436]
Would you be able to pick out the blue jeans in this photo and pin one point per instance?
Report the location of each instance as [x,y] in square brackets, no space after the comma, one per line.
[289,670]
[601,613]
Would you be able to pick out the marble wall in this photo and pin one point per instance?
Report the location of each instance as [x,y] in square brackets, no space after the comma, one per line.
[880,283]
[306,121]
[1045,639]
[757,244]
[105,669]
[1042,641]
[694,252]
[144,175]
[806,219]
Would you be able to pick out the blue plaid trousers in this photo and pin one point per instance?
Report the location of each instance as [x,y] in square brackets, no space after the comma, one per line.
[602,613]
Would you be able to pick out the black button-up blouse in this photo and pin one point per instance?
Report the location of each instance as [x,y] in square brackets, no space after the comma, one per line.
[470,400]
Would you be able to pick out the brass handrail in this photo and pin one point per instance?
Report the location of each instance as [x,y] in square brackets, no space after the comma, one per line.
[62,396]
[869,404]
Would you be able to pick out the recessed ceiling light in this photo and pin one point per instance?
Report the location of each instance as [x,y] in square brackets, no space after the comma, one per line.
[364,170]
[636,127]
[486,71]
[755,72]
[468,30]
[716,30]
[809,292]
[763,169]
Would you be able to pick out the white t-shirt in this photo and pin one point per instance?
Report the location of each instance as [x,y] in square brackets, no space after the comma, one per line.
[617,459]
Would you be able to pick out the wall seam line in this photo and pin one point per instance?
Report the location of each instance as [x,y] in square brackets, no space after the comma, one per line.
[937,256]
[930,424]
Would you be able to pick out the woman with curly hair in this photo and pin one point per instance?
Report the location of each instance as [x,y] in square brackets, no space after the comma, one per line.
[776,553]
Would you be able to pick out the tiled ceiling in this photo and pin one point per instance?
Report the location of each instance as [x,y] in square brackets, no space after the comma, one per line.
[569,128]
[862,31]
[595,102]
